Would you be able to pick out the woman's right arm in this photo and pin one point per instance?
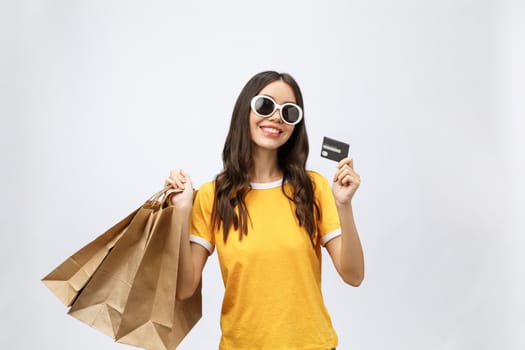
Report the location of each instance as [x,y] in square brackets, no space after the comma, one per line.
[192,256]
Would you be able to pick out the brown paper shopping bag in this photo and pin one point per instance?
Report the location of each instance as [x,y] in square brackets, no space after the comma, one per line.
[103,299]
[68,279]
[153,318]
[130,292]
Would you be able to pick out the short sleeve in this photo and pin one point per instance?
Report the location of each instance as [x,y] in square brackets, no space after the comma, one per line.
[328,225]
[200,227]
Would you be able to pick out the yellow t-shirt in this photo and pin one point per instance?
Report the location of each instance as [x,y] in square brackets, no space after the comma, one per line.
[272,277]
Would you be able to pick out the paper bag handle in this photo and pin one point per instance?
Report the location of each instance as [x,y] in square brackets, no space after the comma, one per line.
[159,199]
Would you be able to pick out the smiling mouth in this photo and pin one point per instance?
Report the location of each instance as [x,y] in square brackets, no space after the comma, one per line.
[270,130]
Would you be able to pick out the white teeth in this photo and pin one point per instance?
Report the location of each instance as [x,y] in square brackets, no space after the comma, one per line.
[271,130]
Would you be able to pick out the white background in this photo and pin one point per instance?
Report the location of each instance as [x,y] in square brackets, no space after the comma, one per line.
[100,99]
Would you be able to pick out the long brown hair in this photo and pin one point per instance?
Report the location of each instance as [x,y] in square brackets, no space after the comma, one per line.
[233,183]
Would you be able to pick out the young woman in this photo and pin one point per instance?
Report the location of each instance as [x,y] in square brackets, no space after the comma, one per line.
[267,217]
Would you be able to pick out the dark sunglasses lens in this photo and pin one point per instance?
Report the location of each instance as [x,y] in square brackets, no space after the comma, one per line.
[264,106]
[291,114]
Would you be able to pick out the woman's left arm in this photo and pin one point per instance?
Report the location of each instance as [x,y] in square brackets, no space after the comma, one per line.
[345,250]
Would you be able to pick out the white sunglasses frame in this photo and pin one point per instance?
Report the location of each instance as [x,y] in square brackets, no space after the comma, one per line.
[276,107]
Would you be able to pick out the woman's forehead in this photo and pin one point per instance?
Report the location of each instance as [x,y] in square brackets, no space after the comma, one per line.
[280,91]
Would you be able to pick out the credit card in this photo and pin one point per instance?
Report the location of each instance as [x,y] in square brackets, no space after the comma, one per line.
[333,149]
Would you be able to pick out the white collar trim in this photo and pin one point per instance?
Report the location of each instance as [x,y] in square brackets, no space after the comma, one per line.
[266,185]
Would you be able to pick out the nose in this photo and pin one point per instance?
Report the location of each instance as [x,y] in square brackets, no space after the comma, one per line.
[276,116]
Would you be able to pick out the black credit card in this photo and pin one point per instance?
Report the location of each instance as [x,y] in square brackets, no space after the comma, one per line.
[333,149]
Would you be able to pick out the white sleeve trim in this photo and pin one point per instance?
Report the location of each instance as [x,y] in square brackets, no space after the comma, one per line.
[202,242]
[329,236]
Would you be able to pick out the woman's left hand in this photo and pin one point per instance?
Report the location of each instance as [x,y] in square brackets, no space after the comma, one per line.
[346,181]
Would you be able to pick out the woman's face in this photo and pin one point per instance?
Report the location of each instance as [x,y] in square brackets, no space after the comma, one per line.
[271,133]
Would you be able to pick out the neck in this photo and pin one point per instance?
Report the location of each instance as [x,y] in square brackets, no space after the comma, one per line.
[265,166]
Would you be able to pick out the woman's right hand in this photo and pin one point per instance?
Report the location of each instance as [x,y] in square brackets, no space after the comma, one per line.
[180,181]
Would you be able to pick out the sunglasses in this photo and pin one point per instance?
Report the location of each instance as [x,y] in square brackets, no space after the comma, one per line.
[265,106]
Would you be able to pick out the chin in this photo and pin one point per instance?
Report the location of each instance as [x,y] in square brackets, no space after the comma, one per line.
[268,144]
